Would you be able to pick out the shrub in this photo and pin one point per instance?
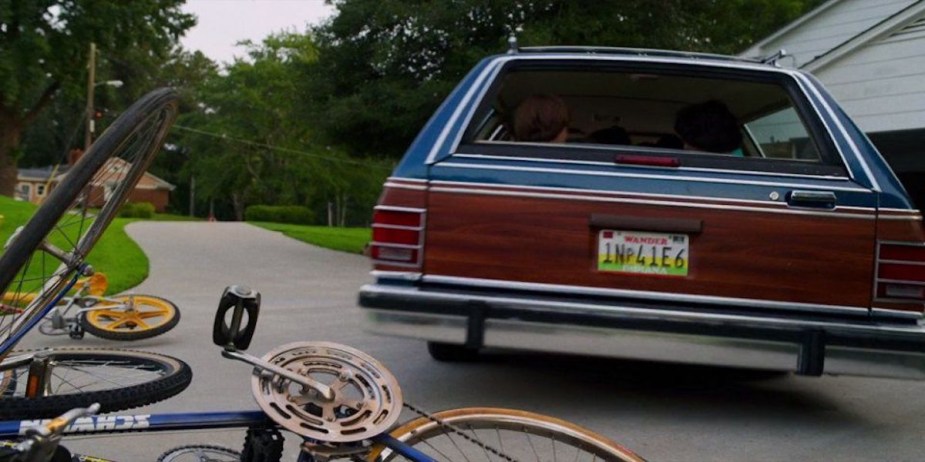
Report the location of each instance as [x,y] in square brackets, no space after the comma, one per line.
[292,214]
[137,210]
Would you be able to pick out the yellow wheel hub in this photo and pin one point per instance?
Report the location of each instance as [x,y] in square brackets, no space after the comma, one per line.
[131,313]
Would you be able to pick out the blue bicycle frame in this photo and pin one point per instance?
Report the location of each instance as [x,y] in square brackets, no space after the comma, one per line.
[119,423]
[9,343]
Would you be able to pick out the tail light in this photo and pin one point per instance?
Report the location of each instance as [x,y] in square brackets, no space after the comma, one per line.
[901,272]
[398,236]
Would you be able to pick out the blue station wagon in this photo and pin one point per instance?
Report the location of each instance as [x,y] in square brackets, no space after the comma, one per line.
[695,208]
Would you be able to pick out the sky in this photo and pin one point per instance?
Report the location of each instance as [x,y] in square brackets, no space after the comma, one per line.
[222,23]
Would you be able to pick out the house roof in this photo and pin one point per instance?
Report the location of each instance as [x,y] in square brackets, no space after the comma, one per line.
[796,23]
[853,30]
[887,26]
[41,173]
[45,173]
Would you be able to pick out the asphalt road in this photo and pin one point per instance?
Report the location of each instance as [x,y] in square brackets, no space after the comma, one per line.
[662,411]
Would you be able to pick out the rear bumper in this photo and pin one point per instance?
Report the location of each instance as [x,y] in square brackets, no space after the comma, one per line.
[525,321]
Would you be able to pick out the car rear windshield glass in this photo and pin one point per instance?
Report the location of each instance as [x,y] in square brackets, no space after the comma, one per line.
[703,117]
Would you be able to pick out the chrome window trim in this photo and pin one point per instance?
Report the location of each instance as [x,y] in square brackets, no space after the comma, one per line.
[439,184]
[653,177]
[641,294]
[901,218]
[410,180]
[390,184]
[875,185]
[492,68]
[832,213]
[612,164]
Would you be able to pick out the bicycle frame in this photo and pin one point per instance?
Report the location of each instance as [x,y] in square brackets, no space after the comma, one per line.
[59,316]
[122,423]
[29,324]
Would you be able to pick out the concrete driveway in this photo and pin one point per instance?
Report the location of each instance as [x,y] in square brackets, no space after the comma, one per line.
[664,412]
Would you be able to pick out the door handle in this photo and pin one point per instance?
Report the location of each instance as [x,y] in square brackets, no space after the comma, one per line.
[812,199]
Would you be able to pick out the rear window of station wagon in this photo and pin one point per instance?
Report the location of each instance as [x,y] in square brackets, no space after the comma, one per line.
[620,111]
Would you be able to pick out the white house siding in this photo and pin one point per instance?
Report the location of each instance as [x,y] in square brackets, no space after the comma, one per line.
[882,83]
[834,23]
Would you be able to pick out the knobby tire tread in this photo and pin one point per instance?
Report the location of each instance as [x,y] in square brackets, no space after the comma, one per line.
[18,408]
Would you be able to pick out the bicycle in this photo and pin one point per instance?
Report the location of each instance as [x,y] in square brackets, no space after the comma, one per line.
[344,404]
[46,257]
[125,317]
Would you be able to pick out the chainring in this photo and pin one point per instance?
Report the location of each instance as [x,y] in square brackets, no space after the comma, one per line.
[367,398]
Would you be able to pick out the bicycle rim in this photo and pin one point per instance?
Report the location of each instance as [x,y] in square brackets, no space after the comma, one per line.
[77,212]
[117,379]
[131,317]
[493,434]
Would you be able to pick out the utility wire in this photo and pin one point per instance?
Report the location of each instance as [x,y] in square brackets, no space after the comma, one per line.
[277,148]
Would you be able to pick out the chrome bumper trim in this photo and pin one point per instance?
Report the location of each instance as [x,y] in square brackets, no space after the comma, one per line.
[443,325]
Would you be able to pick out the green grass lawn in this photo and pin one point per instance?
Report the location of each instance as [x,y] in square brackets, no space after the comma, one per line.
[116,255]
[344,239]
[126,266]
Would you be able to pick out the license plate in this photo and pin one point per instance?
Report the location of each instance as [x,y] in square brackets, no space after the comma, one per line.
[644,253]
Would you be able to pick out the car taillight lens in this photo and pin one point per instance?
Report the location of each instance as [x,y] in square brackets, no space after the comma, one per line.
[901,271]
[398,236]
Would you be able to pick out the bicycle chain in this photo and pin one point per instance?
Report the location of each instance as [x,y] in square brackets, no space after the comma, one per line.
[452,428]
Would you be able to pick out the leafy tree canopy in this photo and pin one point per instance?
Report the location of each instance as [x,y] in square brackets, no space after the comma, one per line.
[44,47]
[384,65]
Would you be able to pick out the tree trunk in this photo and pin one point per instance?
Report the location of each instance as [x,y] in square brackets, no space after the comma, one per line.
[343,211]
[9,142]
[238,205]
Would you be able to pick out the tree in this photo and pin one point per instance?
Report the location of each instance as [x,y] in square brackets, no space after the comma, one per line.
[44,47]
[249,141]
[385,65]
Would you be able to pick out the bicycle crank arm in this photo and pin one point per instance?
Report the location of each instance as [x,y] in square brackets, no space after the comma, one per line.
[322,389]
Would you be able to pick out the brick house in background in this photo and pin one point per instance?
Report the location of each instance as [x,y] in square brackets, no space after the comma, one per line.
[34,184]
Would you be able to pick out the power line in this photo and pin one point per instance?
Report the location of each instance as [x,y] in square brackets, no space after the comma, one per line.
[277,148]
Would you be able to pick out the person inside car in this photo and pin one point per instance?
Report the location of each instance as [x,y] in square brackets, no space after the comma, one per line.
[541,118]
[709,126]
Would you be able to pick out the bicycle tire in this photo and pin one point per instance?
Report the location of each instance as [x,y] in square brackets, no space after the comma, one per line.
[200,451]
[533,435]
[136,325]
[151,378]
[96,180]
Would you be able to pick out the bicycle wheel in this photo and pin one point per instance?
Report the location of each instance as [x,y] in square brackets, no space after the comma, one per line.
[41,257]
[503,434]
[200,453]
[117,379]
[132,317]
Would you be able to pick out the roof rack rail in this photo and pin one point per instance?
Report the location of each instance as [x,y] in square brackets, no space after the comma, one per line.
[635,51]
